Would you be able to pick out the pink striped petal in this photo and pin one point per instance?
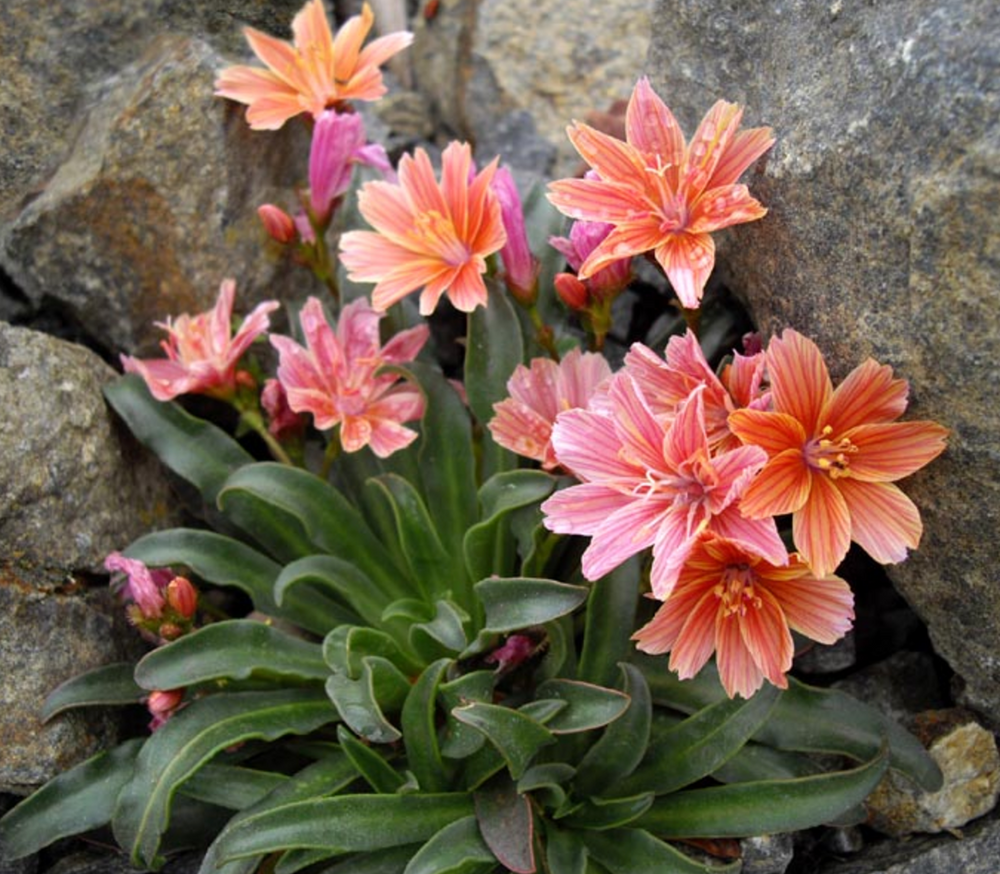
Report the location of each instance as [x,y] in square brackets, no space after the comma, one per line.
[800,382]
[891,451]
[885,523]
[822,528]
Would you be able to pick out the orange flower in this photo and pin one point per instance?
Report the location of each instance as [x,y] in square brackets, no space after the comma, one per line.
[662,194]
[736,604]
[317,71]
[835,454]
[431,236]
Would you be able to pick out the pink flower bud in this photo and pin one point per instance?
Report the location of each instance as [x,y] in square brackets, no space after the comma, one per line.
[182,596]
[162,704]
[278,223]
[520,266]
[571,291]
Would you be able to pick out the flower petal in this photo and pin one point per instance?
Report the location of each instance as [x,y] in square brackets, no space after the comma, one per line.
[773,432]
[767,638]
[868,395]
[687,259]
[651,127]
[884,522]
[738,672]
[782,486]
[821,529]
[894,450]
[821,608]
[800,381]
[744,148]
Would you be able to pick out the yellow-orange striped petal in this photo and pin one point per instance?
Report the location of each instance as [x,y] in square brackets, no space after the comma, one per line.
[884,522]
[687,259]
[822,528]
[888,452]
[800,381]
[782,486]
[868,395]
[772,432]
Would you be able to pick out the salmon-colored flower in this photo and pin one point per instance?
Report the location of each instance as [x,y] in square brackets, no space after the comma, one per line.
[316,71]
[646,483]
[740,606]
[338,378]
[523,422]
[429,235]
[661,194]
[202,352]
[835,454]
[668,381]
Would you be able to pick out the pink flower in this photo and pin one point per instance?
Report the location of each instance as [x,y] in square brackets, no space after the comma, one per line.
[337,377]
[667,382]
[520,266]
[143,586]
[661,194]
[202,353]
[732,602]
[583,238]
[649,484]
[430,236]
[523,422]
[318,71]
[283,421]
[338,143]
[834,455]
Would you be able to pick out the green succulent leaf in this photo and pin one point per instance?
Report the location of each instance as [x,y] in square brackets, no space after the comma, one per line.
[346,823]
[634,851]
[488,544]
[564,850]
[189,739]
[345,581]
[392,860]
[371,764]
[806,719]
[547,782]
[107,685]
[700,744]
[610,621]
[607,813]
[226,562]
[335,771]
[506,824]
[515,603]
[445,632]
[452,850]
[346,647]
[461,740]
[230,786]
[297,860]
[75,801]
[360,702]
[764,807]
[517,736]
[759,762]
[430,566]
[418,721]
[621,747]
[588,706]
[298,514]
[236,649]
[198,452]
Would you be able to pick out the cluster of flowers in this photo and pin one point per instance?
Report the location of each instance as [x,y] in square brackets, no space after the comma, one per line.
[668,455]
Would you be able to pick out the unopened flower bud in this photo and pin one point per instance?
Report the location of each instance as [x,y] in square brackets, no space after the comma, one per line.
[182,596]
[162,704]
[170,631]
[279,224]
[571,291]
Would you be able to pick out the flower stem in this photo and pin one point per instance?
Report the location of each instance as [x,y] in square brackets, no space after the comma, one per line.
[252,419]
[543,333]
[330,456]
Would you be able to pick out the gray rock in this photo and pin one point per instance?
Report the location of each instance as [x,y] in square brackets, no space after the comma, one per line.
[481,61]
[767,854]
[157,204]
[974,851]
[881,240]
[74,485]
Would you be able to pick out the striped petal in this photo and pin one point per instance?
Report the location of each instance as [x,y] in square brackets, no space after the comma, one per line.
[687,259]
[800,381]
[696,641]
[651,127]
[884,522]
[613,160]
[598,200]
[772,432]
[767,639]
[744,148]
[821,608]
[722,207]
[894,450]
[738,672]
[782,486]
[627,531]
[822,528]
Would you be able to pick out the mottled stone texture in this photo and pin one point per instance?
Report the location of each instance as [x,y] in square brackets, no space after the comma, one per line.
[881,240]
[73,487]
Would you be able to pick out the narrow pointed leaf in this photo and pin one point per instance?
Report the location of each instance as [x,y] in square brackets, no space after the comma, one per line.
[589,706]
[618,751]
[189,739]
[236,649]
[601,813]
[324,777]
[318,518]
[700,744]
[108,685]
[230,786]
[757,761]
[451,850]
[446,631]
[78,800]
[293,861]
[346,581]
[634,851]
[419,723]
[370,764]
[610,622]
[488,544]
[806,719]
[506,824]
[765,807]
[195,450]
[515,735]
[227,562]
[519,602]
[346,823]
[564,850]
[392,860]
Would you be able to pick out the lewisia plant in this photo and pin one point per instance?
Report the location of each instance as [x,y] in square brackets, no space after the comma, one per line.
[530,613]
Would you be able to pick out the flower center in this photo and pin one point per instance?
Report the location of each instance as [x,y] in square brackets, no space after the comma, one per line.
[438,233]
[736,592]
[832,456]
